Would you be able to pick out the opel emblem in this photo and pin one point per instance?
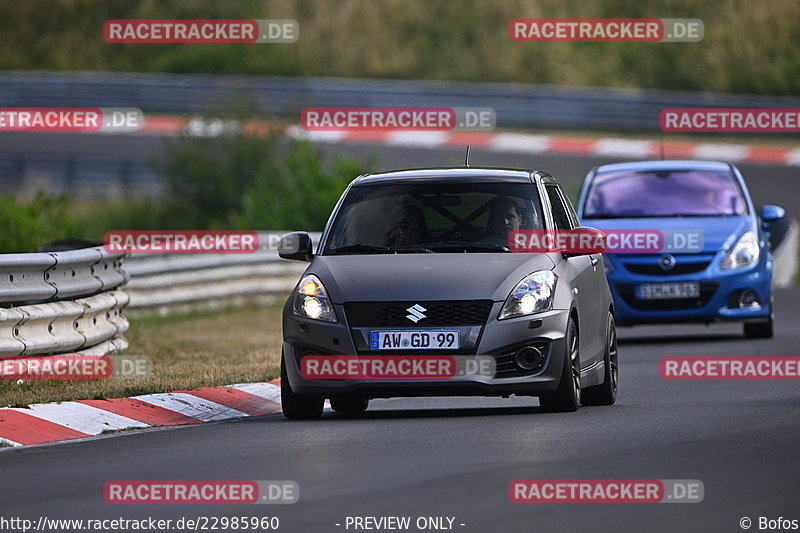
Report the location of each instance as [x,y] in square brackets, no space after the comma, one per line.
[666,262]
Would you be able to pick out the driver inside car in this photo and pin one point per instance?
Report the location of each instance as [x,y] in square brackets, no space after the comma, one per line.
[409,227]
[504,217]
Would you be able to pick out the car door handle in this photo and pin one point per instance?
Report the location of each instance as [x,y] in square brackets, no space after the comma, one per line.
[594,260]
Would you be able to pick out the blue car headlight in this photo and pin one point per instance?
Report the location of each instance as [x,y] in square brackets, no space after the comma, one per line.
[533,294]
[744,253]
[311,300]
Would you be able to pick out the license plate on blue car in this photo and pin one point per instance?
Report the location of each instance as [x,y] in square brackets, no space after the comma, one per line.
[668,291]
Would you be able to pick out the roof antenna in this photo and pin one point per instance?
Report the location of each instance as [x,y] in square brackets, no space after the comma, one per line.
[466,158]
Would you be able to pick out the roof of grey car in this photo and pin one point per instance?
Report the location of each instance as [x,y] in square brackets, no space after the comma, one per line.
[665,165]
[444,174]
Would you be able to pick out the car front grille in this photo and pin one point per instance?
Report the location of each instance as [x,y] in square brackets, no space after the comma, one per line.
[648,265]
[655,270]
[437,313]
[628,293]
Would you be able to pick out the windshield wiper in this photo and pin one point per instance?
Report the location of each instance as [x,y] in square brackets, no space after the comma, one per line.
[375,249]
[412,250]
[457,246]
[362,248]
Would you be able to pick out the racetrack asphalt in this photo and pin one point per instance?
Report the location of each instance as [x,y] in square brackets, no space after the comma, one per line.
[456,456]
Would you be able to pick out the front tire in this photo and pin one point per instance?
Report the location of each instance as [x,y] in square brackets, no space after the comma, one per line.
[295,406]
[762,329]
[567,397]
[758,330]
[349,405]
[606,393]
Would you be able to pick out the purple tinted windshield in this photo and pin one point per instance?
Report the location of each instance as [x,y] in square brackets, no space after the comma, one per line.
[664,194]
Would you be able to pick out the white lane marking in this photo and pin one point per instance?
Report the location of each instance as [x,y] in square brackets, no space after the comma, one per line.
[519,142]
[793,158]
[724,152]
[623,148]
[9,442]
[81,417]
[297,132]
[194,406]
[425,139]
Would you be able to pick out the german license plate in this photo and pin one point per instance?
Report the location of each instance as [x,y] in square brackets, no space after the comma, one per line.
[668,291]
[414,340]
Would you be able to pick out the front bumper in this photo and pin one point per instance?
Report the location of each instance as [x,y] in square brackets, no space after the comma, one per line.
[718,301]
[497,338]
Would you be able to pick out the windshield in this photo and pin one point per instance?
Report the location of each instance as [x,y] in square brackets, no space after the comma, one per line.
[433,217]
[664,194]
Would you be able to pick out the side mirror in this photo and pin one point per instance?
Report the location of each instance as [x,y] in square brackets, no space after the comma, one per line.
[771,214]
[296,246]
[584,240]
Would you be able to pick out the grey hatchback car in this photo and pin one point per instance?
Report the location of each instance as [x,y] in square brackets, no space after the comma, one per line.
[417,263]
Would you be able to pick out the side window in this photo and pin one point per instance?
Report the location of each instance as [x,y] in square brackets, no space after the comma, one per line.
[570,210]
[561,215]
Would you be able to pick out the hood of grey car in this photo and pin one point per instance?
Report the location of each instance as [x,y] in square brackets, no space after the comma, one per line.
[438,276]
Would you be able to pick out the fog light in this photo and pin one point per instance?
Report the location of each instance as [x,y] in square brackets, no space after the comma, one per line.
[529,358]
[748,299]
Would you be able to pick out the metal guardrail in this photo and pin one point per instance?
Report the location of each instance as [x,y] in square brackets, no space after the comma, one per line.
[168,283]
[517,105]
[62,302]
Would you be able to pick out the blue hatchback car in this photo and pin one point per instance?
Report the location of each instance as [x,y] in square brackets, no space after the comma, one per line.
[726,277]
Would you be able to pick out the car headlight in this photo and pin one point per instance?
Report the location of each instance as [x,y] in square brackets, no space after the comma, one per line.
[743,253]
[533,294]
[311,300]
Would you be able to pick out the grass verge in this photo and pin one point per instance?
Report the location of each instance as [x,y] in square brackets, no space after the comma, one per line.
[201,349]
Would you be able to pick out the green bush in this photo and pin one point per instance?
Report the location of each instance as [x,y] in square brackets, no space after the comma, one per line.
[299,194]
[28,224]
[92,220]
[231,181]
[207,176]
[235,181]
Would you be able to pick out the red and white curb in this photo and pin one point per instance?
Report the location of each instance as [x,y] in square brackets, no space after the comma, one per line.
[538,144]
[54,422]
[496,141]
